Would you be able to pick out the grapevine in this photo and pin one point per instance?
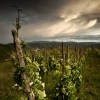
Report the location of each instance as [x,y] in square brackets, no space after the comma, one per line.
[32,69]
[71,79]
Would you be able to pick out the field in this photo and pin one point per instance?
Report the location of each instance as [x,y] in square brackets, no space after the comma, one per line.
[90,89]
[91,78]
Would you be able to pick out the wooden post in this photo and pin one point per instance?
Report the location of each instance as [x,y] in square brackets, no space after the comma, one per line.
[22,64]
[78,55]
[75,54]
[67,54]
[63,69]
[63,57]
[33,56]
[46,55]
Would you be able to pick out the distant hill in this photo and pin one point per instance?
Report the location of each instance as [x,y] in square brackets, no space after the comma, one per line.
[6,49]
[45,44]
[95,45]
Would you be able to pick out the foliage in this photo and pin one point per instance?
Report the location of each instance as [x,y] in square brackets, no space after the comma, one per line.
[90,89]
[7,92]
[64,86]
[5,51]
[32,69]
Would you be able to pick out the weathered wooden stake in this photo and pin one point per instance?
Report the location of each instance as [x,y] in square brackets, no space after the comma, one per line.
[46,55]
[67,52]
[78,56]
[24,76]
[63,57]
[63,67]
[75,54]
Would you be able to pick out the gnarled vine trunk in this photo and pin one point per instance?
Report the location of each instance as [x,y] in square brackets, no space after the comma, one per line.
[20,58]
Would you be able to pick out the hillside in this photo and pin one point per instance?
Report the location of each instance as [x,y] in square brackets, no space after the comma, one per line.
[45,44]
[5,51]
[90,89]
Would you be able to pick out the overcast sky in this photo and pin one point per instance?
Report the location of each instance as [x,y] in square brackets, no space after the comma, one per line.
[53,20]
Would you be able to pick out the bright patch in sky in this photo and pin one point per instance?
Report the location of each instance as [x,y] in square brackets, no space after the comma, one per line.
[51,19]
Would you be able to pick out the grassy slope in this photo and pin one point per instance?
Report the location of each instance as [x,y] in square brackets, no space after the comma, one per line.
[6,82]
[5,51]
[6,75]
[91,78]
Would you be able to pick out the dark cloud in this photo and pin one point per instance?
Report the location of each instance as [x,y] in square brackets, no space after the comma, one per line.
[51,19]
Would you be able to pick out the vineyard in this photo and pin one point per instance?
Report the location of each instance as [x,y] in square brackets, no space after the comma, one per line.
[54,73]
[49,62]
[60,73]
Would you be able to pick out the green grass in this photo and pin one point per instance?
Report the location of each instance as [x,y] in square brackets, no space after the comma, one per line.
[5,51]
[90,89]
[91,78]
[6,83]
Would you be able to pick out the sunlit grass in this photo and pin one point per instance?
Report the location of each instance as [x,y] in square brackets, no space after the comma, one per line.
[6,73]
[6,82]
[90,89]
[91,78]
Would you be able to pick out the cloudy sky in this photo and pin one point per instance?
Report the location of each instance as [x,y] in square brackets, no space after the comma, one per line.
[53,20]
